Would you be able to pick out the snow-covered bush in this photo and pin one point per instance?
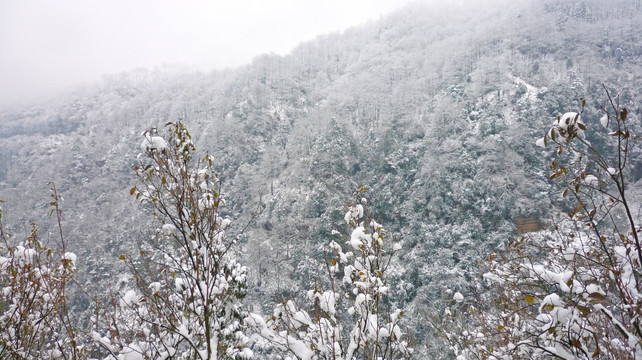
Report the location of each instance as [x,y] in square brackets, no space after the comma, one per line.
[352,318]
[185,303]
[571,291]
[34,279]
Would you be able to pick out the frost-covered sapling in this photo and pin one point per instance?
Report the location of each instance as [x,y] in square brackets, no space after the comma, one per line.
[572,291]
[348,320]
[34,317]
[186,299]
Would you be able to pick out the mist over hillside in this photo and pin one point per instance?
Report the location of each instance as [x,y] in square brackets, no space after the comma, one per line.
[435,109]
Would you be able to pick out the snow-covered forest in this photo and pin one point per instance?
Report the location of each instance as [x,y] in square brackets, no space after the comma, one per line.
[436,110]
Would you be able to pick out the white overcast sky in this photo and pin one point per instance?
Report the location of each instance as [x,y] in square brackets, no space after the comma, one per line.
[47,46]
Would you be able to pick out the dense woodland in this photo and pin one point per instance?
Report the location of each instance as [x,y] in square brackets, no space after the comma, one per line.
[436,109]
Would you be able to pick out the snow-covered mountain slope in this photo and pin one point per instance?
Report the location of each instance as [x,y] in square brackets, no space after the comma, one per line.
[436,110]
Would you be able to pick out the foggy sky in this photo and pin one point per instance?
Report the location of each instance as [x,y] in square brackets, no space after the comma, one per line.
[47,46]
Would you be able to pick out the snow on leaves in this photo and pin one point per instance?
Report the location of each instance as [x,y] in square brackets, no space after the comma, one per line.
[153,143]
[568,126]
